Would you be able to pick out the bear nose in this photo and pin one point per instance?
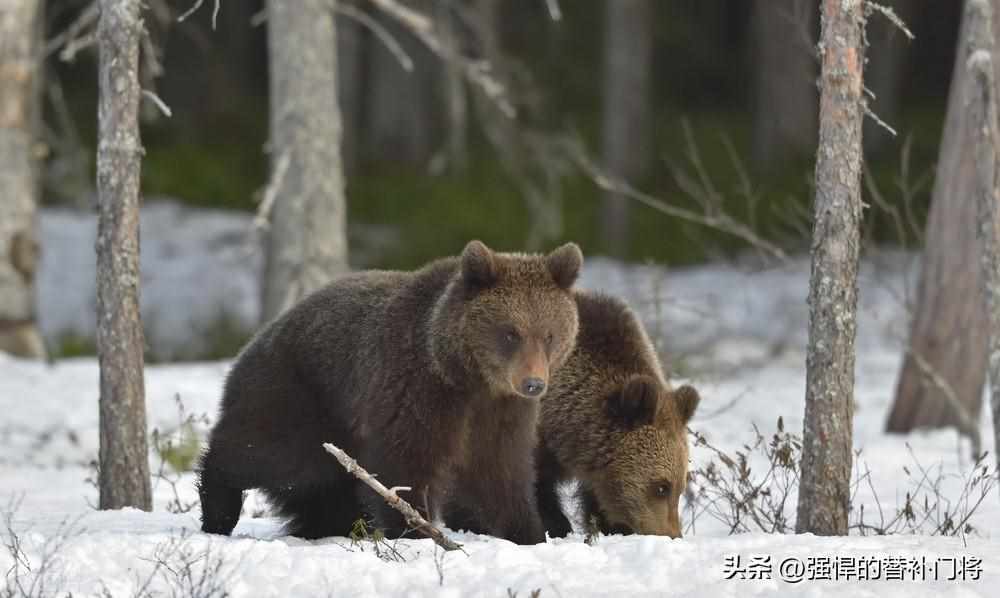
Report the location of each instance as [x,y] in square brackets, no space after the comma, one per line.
[532,386]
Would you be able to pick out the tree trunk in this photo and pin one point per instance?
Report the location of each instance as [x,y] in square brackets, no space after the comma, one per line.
[307,240]
[124,460]
[627,111]
[824,490]
[983,117]
[400,107]
[20,78]
[785,95]
[944,369]
[454,90]
[351,48]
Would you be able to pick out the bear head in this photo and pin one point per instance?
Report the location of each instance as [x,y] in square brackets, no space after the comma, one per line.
[508,319]
[646,473]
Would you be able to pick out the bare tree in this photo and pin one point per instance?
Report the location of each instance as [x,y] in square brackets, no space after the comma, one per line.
[627,111]
[983,121]
[824,491]
[944,369]
[400,103]
[307,237]
[20,78]
[784,68]
[124,466]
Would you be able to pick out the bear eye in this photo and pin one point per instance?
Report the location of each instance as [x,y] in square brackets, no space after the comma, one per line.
[548,340]
[510,336]
[661,489]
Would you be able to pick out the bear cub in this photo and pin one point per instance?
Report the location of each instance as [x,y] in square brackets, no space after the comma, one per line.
[612,422]
[388,366]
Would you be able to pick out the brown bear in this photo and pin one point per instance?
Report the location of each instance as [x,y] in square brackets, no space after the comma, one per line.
[387,366]
[611,421]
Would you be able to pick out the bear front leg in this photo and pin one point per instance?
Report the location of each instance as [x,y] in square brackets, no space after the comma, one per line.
[390,473]
[547,494]
[221,503]
[505,502]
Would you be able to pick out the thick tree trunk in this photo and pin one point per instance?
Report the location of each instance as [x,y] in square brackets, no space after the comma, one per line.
[983,122]
[627,111]
[824,490]
[785,95]
[944,370]
[20,78]
[124,462]
[307,240]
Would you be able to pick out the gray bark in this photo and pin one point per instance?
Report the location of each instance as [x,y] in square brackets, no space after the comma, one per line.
[944,370]
[785,94]
[824,489]
[983,122]
[20,78]
[307,239]
[124,462]
[627,111]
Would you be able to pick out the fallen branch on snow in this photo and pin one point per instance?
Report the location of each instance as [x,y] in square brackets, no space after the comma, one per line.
[412,516]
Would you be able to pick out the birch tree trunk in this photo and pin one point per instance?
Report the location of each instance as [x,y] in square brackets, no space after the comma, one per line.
[785,97]
[824,490]
[124,463]
[20,78]
[944,370]
[627,112]
[307,240]
[983,116]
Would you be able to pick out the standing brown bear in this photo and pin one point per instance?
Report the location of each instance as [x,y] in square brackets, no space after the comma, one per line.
[387,365]
[611,421]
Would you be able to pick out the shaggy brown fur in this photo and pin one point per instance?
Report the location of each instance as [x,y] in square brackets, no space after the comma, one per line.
[386,365]
[612,422]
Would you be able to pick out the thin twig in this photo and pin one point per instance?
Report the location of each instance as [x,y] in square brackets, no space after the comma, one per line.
[379,31]
[965,422]
[158,102]
[194,9]
[68,37]
[262,220]
[477,72]
[412,516]
[712,217]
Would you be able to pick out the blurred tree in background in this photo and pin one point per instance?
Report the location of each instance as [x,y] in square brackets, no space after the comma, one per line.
[736,72]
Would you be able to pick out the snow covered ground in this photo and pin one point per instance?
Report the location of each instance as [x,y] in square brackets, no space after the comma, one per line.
[738,334]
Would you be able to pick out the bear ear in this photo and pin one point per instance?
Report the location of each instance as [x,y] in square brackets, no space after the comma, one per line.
[687,399]
[564,264]
[479,269]
[636,404]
